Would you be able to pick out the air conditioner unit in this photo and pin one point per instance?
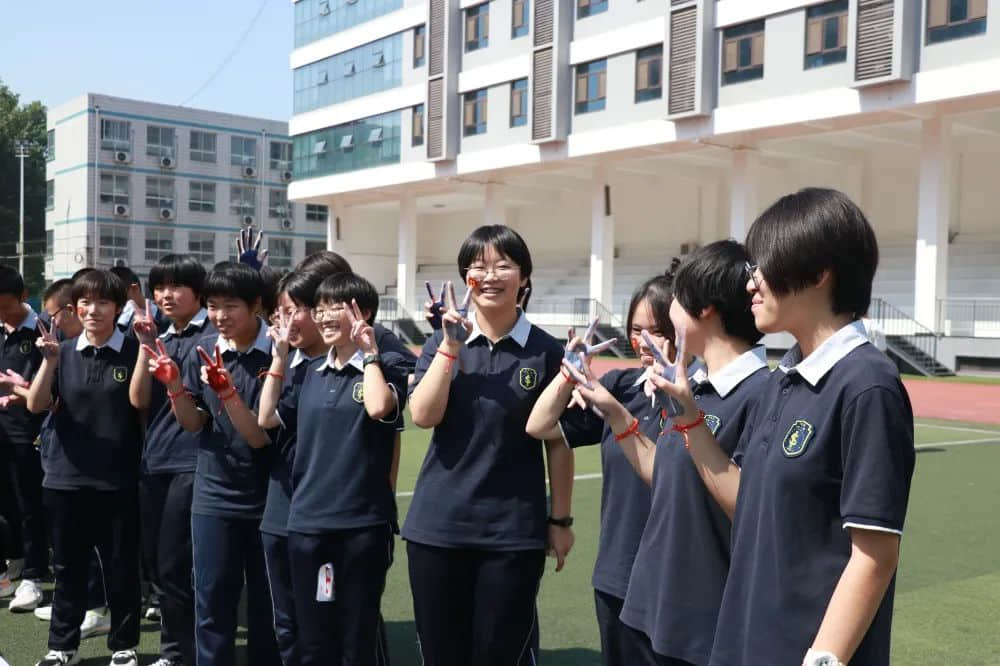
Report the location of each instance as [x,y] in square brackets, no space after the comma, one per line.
[248,220]
[167,162]
[166,213]
[249,172]
[287,224]
[286,176]
[121,210]
[688,248]
[122,157]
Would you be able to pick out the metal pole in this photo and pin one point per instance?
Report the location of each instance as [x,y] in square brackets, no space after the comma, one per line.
[20,254]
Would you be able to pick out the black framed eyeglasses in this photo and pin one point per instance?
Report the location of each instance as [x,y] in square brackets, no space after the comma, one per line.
[752,273]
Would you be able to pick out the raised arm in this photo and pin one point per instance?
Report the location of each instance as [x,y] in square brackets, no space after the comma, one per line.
[214,373]
[39,396]
[140,388]
[270,393]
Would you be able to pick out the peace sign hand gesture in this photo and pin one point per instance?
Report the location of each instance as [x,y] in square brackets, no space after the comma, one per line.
[162,366]
[362,333]
[12,379]
[144,325]
[668,382]
[579,351]
[248,248]
[47,341]
[435,307]
[279,331]
[214,373]
[455,321]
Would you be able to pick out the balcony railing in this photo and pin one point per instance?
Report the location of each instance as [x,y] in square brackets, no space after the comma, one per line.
[969,317]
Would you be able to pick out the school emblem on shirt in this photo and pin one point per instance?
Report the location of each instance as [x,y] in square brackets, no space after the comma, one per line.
[120,373]
[797,438]
[25,347]
[359,392]
[712,422]
[528,378]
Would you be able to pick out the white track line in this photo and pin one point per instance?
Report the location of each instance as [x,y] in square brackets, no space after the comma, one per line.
[957,428]
[961,442]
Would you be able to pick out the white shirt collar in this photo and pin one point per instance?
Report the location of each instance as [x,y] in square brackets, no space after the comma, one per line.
[30,320]
[126,316]
[115,341]
[519,334]
[815,366]
[734,372]
[358,360]
[299,357]
[198,320]
[263,343]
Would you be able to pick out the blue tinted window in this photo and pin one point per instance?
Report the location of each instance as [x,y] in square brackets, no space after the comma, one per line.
[361,144]
[315,19]
[361,71]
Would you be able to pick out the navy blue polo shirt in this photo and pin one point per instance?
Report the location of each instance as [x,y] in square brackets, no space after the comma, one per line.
[388,342]
[170,449]
[624,496]
[343,457]
[482,483]
[127,316]
[831,448]
[231,476]
[19,353]
[680,568]
[96,434]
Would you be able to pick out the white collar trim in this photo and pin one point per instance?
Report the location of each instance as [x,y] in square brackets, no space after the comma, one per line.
[198,320]
[116,341]
[262,342]
[357,360]
[519,334]
[815,366]
[734,372]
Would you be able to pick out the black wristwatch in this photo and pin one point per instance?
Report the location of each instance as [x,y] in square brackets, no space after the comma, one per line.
[371,358]
[561,522]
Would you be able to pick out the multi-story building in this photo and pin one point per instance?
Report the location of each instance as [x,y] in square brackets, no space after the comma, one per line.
[131,181]
[614,134]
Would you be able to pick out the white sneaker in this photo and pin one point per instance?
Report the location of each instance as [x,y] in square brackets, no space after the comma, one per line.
[153,613]
[96,622]
[44,613]
[60,658]
[6,587]
[14,568]
[162,661]
[27,597]
[124,658]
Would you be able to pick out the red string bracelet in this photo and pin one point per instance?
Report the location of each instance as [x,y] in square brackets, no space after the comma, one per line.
[269,373]
[174,396]
[448,356]
[567,377]
[683,429]
[631,430]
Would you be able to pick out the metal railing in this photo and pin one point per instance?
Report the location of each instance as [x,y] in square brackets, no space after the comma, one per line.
[969,317]
[897,324]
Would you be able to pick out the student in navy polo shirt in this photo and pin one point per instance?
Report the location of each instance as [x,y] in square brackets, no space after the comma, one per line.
[170,456]
[819,484]
[476,530]
[342,513]
[624,497]
[91,464]
[137,303]
[230,481]
[21,486]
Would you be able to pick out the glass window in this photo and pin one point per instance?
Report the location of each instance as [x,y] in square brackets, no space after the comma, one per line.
[315,19]
[585,8]
[243,151]
[312,247]
[279,253]
[50,195]
[202,146]
[363,70]
[477,27]
[277,204]
[519,18]
[159,243]
[418,125]
[115,134]
[743,52]
[114,188]
[281,155]
[112,243]
[242,200]
[160,141]
[50,145]
[474,113]
[316,213]
[826,34]
[519,103]
[954,19]
[649,73]
[159,192]
[346,147]
[201,197]
[419,42]
[201,246]
[50,243]
[591,86]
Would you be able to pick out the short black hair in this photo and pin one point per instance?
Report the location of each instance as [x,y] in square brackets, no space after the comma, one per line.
[11,281]
[270,278]
[181,270]
[342,287]
[301,286]
[127,275]
[506,241]
[816,229]
[82,271]
[658,291]
[327,262]
[100,285]
[716,275]
[61,289]
[231,280]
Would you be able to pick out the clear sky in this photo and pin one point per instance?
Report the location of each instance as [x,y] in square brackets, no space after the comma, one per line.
[154,50]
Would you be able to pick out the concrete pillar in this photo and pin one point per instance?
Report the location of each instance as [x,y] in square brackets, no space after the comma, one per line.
[934,192]
[602,238]
[406,261]
[743,186]
[493,207]
[337,212]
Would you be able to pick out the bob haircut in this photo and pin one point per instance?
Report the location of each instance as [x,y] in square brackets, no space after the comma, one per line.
[301,286]
[343,287]
[658,292]
[231,280]
[11,281]
[82,271]
[507,242]
[100,285]
[716,275]
[270,278]
[813,230]
[326,262]
[181,270]
[61,290]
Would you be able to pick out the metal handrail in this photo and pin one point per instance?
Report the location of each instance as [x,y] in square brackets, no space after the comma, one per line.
[897,324]
[969,317]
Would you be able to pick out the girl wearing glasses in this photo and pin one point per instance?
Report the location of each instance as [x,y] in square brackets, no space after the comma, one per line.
[477,530]
[819,484]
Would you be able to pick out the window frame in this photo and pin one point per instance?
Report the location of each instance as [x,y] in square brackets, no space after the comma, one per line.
[314,214]
[974,23]
[156,198]
[242,159]
[522,29]
[419,52]
[585,8]
[200,238]
[283,209]
[583,73]
[284,159]
[116,142]
[203,204]
[818,17]
[201,153]
[154,254]
[645,91]
[518,94]
[50,194]
[417,123]
[114,197]
[238,205]
[158,148]
[477,17]
[50,145]
[478,102]
[276,256]
[114,251]
[743,37]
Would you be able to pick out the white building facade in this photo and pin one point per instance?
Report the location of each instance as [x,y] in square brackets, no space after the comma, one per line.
[615,134]
[132,181]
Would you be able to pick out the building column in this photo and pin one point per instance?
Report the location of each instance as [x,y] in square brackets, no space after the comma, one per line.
[708,211]
[933,217]
[336,213]
[406,261]
[493,207]
[602,238]
[743,186]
